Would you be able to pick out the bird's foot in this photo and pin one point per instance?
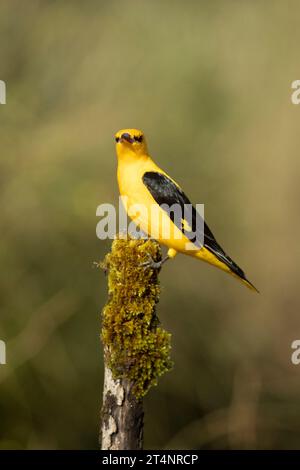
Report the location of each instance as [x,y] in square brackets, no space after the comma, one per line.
[154,264]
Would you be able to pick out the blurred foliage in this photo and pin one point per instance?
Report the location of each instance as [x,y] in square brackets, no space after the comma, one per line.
[210,84]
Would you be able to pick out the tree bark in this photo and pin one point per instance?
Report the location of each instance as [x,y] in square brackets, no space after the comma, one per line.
[122,415]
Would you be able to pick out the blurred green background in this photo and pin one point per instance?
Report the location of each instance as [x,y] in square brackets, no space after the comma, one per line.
[210,84]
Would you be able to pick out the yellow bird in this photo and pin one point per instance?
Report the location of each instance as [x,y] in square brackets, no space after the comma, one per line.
[148,193]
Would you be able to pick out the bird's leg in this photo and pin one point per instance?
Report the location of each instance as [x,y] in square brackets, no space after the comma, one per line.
[154,264]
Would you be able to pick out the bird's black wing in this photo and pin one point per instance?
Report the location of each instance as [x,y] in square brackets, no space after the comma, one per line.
[166,193]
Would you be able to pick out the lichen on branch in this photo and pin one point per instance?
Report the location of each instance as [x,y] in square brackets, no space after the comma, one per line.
[135,346]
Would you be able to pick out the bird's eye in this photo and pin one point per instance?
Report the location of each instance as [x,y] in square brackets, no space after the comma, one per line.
[138,138]
[117,139]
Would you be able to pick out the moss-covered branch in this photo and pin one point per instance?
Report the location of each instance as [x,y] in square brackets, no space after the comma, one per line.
[136,348]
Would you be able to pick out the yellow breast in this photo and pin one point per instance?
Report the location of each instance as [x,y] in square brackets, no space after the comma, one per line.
[142,208]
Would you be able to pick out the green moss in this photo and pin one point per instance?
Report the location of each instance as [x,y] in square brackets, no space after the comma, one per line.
[136,347]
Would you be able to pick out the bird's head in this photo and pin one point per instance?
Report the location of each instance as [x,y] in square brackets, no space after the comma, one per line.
[130,142]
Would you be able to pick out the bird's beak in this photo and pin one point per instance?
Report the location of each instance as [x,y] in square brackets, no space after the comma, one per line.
[127,137]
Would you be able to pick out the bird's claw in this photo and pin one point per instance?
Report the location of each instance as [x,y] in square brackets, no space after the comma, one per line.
[150,263]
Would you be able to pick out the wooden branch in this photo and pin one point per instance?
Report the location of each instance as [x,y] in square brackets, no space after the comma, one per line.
[122,415]
[136,348]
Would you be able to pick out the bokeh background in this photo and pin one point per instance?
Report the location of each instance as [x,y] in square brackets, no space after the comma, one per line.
[210,84]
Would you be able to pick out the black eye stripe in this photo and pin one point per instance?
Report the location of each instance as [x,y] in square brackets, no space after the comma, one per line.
[137,138]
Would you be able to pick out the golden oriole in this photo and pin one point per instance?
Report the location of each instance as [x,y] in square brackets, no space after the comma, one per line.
[143,185]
